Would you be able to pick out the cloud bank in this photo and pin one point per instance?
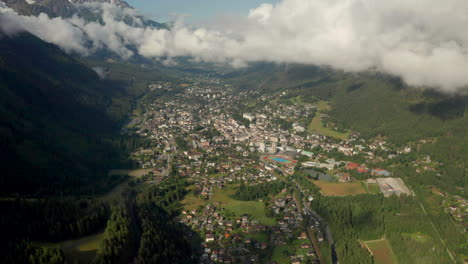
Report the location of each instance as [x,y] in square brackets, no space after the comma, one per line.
[422,41]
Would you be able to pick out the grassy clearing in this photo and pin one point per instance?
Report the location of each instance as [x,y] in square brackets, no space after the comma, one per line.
[298,100]
[191,202]
[373,188]
[382,251]
[317,126]
[132,173]
[115,193]
[253,208]
[82,250]
[260,236]
[217,175]
[280,253]
[417,237]
[340,188]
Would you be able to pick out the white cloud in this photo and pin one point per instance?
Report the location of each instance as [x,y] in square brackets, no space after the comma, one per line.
[422,41]
[55,30]
[101,72]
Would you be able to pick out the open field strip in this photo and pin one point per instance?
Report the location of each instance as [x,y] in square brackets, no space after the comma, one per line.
[382,251]
[340,188]
[317,125]
[253,208]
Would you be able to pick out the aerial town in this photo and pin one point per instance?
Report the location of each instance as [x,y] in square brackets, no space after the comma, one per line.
[200,134]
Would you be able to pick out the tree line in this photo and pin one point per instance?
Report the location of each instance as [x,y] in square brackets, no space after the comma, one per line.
[258,191]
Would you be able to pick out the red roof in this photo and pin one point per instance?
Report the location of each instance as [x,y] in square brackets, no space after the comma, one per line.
[361,169]
[352,166]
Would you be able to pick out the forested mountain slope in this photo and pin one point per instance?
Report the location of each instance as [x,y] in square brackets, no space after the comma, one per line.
[55,129]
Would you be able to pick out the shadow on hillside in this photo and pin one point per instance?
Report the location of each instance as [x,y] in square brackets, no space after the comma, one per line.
[442,106]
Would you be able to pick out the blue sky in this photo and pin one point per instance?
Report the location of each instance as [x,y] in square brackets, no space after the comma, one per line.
[197,9]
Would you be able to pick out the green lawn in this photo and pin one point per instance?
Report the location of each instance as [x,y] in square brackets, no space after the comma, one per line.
[252,208]
[317,126]
[372,188]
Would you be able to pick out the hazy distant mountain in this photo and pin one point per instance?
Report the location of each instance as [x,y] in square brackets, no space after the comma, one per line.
[118,3]
[67,8]
[54,8]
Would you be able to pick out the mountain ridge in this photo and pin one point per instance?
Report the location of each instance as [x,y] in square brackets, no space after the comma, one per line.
[55,8]
[55,127]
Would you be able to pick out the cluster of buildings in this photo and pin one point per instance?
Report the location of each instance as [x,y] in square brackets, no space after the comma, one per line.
[196,133]
[225,239]
[457,206]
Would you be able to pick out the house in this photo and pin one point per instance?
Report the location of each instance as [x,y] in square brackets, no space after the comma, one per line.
[362,169]
[195,155]
[380,172]
[303,235]
[280,202]
[352,166]
[345,177]
[209,237]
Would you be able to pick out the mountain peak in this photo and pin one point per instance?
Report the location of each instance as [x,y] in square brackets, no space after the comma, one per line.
[54,8]
[119,3]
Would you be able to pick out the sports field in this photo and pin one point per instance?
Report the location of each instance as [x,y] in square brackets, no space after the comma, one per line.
[340,188]
[280,159]
[382,251]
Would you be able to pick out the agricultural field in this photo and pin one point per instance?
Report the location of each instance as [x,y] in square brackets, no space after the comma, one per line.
[317,125]
[340,188]
[253,208]
[382,251]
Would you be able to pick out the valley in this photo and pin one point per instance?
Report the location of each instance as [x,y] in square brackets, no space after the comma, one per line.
[221,154]
[232,156]
[133,141]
